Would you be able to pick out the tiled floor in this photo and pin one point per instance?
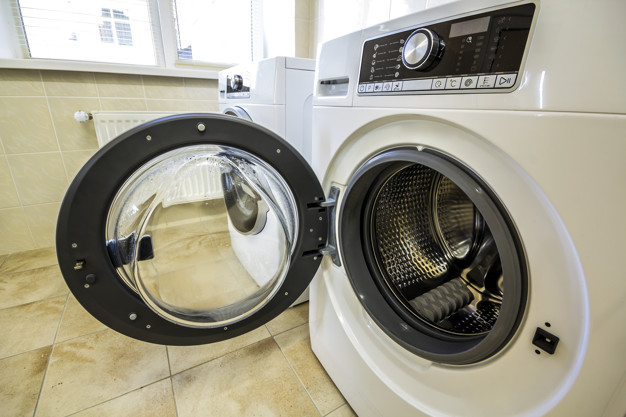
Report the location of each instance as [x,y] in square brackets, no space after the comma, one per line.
[56,360]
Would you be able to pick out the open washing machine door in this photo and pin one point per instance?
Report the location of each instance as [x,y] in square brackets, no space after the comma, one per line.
[147,230]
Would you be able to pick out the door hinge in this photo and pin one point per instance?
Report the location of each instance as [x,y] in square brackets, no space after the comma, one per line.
[331,247]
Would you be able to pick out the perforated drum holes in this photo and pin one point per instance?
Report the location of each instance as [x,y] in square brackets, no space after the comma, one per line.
[427,235]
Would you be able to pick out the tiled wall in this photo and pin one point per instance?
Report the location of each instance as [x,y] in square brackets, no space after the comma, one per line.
[42,147]
[305,19]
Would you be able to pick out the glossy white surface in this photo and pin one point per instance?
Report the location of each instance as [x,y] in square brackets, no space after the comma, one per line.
[553,152]
[335,18]
[556,75]
[281,91]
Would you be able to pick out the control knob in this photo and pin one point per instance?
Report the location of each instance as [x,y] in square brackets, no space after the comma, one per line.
[236,82]
[421,49]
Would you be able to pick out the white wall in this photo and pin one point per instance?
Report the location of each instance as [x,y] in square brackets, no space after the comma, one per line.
[334,18]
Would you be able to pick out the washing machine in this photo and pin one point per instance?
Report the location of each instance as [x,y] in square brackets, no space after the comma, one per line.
[465,236]
[276,93]
[478,170]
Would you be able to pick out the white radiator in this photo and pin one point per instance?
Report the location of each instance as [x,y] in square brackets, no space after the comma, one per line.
[203,186]
[111,124]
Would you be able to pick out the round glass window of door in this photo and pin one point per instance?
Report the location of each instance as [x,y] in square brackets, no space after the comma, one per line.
[203,234]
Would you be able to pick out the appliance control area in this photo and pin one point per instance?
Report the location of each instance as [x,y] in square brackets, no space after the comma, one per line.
[478,53]
[237,86]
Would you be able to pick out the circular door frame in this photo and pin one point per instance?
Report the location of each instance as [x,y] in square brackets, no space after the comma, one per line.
[415,336]
[237,112]
[80,238]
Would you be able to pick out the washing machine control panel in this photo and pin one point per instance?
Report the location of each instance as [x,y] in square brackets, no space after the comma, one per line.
[481,53]
[237,86]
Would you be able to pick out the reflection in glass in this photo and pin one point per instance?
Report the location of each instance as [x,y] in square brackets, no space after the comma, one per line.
[203,234]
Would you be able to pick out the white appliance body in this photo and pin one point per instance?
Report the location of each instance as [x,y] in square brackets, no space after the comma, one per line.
[552,150]
[277,94]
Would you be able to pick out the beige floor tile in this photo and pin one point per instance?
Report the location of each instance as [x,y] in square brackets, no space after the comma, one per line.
[185,357]
[296,345]
[156,400]
[20,381]
[255,381]
[92,369]
[30,326]
[343,411]
[77,322]
[290,318]
[29,286]
[32,259]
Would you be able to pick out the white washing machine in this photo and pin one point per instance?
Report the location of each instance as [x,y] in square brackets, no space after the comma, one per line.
[468,225]
[479,168]
[276,93]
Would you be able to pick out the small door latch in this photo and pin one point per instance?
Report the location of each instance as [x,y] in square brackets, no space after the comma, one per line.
[545,340]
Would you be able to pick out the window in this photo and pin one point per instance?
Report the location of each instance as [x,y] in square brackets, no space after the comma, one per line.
[231,21]
[157,33]
[89,30]
[122,30]
[248,29]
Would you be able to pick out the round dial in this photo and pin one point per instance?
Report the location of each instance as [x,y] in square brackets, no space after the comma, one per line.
[236,82]
[421,49]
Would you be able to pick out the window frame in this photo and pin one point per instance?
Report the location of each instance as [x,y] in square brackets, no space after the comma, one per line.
[13,53]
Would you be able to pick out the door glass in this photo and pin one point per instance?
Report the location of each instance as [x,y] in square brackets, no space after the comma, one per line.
[203,234]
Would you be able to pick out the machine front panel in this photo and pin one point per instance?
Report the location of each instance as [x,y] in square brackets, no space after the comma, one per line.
[478,53]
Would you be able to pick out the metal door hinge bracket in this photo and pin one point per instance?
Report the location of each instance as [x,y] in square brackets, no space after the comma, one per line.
[331,246]
[328,250]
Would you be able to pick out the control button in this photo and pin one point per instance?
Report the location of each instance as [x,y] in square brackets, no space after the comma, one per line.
[397,86]
[387,86]
[506,80]
[421,49]
[369,88]
[378,87]
[439,84]
[469,82]
[417,85]
[236,83]
[362,88]
[486,81]
[453,83]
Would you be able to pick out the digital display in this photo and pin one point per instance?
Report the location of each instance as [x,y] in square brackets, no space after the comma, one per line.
[469,27]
